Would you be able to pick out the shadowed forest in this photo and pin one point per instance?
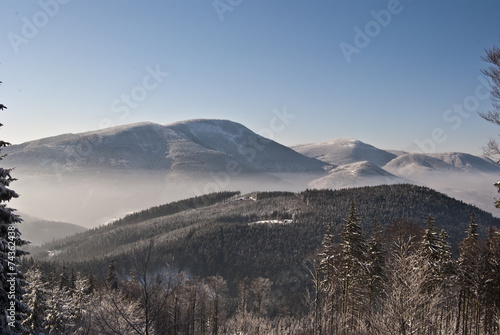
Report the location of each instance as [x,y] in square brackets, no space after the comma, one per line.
[286,271]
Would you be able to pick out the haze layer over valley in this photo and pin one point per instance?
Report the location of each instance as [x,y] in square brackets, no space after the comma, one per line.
[91,178]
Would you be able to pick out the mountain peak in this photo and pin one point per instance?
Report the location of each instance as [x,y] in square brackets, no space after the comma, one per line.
[350,142]
[205,121]
[199,146]
[345,151]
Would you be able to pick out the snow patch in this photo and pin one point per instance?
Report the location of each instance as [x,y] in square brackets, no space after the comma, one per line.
[272,222]
[52,253]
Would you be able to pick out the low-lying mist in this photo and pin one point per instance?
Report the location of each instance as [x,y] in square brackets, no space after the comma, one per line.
[94,199]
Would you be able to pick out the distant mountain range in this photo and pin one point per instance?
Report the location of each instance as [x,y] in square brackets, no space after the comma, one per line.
[39,231]
[463,176]
[92,177]
[346,151]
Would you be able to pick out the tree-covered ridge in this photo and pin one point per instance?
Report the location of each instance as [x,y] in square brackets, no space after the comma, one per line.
[117,233]
[225,239]
[400,278]
[309,210]
[390,203]
[174,207]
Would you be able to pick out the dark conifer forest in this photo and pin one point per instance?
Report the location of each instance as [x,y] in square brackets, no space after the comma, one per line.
[398,259]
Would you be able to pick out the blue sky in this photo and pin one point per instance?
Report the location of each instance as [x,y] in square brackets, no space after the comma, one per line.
[395,74]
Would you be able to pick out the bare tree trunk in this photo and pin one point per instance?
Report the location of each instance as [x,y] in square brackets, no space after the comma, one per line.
[459,313]
[317,314]
[466,314]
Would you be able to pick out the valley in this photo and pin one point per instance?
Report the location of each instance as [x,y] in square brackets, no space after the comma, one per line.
[208,205]
[94,177]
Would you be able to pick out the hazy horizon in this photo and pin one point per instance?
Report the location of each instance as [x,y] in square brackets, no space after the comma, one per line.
[94,178]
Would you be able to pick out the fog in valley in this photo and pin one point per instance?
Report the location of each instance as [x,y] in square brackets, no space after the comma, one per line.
[95,198]
[91,200]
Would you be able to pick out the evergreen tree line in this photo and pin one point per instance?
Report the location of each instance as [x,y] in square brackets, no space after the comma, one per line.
[148,302]
[229,248]
[404,280]
[398,279]
[175,207]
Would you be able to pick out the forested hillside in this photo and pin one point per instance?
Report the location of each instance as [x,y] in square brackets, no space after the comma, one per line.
[226,233]
[198,219]
[244,248]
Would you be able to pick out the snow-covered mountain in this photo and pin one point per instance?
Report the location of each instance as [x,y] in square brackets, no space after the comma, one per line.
[194,146]
[91,177]
[463,176]
[344,151]
[413,164]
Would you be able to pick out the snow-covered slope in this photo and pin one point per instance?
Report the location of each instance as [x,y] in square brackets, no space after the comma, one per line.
[463,176]
[141,145]
[195,146]
[356,174]
[239,144]
[344,151]
[468,163]
[413,164]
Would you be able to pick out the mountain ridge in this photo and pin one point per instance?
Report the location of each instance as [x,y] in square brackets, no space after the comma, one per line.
[102,174]
[344,151]
[218,235]
[187,146]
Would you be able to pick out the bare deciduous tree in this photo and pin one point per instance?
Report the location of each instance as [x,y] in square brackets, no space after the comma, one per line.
[492,57]
[218,288]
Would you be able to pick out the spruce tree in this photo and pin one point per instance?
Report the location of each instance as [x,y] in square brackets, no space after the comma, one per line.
[12,280]
[376,262]
[36,298]
[64,280]
[91,283]
[111,279]
[492,57]
[430,252]
[469,279]
[472,229]
[328,283]
[353,271]
[327,256]
[490,270]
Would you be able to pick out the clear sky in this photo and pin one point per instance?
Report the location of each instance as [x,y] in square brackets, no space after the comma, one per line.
[395,74]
